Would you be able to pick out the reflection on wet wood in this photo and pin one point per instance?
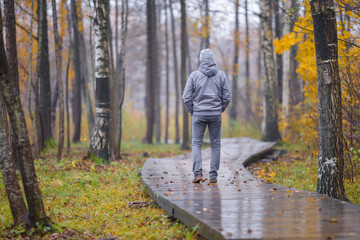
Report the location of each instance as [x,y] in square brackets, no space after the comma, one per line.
[241,206]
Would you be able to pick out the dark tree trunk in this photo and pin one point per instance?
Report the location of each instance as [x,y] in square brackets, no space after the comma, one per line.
[54,103]
[278,57]
[271,118]
[151,69]
[167,73]
[22,141]
[59,80]
[176,77]
[70,47]
[100,135]
[157,82]
[76,88]
[44,73]
[235,71]
[331,156]
[186,138]
[8,170]
[247,63]
[11,47]
[207,24]
[120,68]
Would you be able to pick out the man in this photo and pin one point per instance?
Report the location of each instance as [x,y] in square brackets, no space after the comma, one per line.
[206,96]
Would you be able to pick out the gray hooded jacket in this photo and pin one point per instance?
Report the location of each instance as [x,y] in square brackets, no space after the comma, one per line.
[207,90]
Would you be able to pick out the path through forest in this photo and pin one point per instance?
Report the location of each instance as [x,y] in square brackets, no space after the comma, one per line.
[241,206]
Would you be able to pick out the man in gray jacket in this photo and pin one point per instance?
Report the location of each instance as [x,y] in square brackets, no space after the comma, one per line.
[206,96]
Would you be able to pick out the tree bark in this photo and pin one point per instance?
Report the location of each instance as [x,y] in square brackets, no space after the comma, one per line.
[167,74]
[278,57]
[207,24]
[21,136]
[235,71]
[331,156]
[70,47]
[121,74]
[247,63]
[11,47]
[271,118]
[186,138]
[151,69]
[157,82]
[8,170]
[100,136]
[59,80]
[176,76]
[286,75]
[44,73]
[76,88]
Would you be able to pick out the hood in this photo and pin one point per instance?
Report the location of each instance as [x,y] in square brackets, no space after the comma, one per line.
[208,68]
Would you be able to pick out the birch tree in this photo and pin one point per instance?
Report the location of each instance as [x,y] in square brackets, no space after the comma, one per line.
[271,118]
[331,156]
[100,135]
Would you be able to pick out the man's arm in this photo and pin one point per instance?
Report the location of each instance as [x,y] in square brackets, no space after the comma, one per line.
[226,94]
[188,95]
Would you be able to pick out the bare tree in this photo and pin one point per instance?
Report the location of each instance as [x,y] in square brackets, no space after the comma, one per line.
[43,74]
[271,118]
[151,69]
[59,80]
[17,119]
[100,135]
[167,73]
[186,137]
[176,76]
[76,88]
[247,63]
[235,70]
[331,156]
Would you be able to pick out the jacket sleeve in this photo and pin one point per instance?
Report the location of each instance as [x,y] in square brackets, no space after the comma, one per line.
[226,93]
[188,95]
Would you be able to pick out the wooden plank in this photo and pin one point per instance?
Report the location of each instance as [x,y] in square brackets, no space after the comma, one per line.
[241,206]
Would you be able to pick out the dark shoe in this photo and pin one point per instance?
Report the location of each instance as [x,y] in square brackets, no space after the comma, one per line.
[213,180]
[198,178]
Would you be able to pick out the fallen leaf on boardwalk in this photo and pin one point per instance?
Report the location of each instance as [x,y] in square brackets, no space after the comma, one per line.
[171,182]
[228,234]
[197,212]
[309,199]
[188,202]
[162,177]
[204,209]
[166,194]
[220,229]
[244,181]
[333,220]
[249,231]
[280,214]
[165,172]
[169,190]
[239,190]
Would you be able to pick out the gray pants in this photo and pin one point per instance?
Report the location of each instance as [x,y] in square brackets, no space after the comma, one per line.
[199,124]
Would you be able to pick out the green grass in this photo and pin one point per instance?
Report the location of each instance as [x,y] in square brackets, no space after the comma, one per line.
[93,199]
[298,169]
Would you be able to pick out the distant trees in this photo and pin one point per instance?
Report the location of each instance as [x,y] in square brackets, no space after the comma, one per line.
[271,117]
[331,156]
[99,144]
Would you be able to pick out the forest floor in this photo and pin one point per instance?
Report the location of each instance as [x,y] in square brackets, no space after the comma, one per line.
[88,200]
[298,169]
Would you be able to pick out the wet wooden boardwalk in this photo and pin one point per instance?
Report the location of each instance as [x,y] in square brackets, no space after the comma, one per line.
[240,206]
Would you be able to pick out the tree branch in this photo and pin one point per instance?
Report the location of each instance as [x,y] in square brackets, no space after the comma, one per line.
[26,30]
